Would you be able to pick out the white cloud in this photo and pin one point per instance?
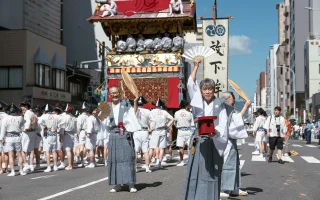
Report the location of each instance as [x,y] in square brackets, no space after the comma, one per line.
[239,45]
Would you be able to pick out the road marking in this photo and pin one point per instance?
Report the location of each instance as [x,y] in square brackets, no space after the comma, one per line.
[241,163]
[43,177]
[310,159]
[286,158]
[258,158]
[252,144]
[73,189]
[296,145]
[240,156]
[309,145]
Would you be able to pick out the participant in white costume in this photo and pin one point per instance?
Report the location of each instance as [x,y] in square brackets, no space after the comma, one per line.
[141,137]
[58,109]
[38,139]
[28,135]
[160,120]
[81,130]
[50,124]
[205,161]
[11,129]
[183,120]
[70,130]
[2,116]
[261,133]
[93,127]
[121,124]
[230,178]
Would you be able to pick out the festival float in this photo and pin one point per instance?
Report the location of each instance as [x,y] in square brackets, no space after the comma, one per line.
[147,42]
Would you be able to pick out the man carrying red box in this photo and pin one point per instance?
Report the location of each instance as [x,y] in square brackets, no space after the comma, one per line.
[203,179]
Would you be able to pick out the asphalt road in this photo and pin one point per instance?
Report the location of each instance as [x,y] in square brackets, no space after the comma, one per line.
[297,179]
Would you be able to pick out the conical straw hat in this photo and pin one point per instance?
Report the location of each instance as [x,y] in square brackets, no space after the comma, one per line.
[129,83]
[238,90]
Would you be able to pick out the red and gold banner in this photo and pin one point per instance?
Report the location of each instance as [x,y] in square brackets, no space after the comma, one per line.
[153,88]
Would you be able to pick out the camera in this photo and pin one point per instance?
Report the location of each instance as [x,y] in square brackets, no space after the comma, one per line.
[278,129]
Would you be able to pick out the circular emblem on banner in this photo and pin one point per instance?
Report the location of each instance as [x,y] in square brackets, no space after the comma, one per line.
[210,30]
[220,30]
[183,114]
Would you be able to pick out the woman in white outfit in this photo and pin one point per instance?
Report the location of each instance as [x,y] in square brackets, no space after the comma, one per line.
[261,136]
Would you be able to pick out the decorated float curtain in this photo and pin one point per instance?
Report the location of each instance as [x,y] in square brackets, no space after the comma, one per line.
[142,5]
[152,88]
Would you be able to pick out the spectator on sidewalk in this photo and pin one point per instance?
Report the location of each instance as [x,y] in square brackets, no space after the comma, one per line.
[317,126]
[307,131]
[287,136]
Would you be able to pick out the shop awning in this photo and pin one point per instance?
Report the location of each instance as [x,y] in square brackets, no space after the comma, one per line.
[41,58]
[57,63]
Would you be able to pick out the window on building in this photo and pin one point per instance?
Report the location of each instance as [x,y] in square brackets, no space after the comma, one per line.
[74,89]
[11,77]
[42,75]
[58,79]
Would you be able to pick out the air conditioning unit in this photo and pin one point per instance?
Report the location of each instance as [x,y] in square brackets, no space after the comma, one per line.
[85,95]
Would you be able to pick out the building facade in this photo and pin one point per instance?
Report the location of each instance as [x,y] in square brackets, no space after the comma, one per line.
[299,32]
[83,46]
[32,58]
[312,71]
[281,19]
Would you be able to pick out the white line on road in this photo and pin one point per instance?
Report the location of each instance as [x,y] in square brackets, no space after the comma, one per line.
[240,156]
[73,189]
[43,177]
[286,158]
[258,158]
[251,144]
[310,159]
[309,145]
[241,163]
[296,145]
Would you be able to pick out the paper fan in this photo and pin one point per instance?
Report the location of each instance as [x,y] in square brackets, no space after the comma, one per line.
[104,110]
[198,51]
[130,83]
[238,90]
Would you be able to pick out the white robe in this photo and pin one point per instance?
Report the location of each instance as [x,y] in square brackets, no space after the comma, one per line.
[221,137]
[236,131]
[130,120]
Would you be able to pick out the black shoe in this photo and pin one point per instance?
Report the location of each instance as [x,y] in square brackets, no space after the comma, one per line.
[270,160]
[280,161]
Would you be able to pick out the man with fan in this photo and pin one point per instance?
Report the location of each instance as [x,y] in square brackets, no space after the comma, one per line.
[121,123]
[203,180]
[230,177]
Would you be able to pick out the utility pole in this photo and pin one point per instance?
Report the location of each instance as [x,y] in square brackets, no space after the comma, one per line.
[102,52]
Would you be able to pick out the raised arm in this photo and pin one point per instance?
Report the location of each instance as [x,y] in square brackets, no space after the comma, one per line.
[245,108]
[135,107]
[196,64]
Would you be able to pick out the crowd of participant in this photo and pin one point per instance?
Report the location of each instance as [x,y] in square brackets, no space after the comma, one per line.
[33,135]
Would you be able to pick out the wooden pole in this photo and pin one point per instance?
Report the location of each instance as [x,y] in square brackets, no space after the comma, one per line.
[215,8]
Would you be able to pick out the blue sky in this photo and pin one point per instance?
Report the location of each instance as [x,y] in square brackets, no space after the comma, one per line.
[252,31]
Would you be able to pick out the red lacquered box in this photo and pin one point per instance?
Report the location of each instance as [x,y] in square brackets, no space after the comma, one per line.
[206,125]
